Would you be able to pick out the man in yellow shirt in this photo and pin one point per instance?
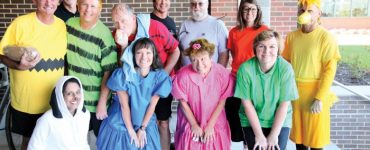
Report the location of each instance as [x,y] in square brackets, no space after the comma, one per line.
[313,53]
[32,81]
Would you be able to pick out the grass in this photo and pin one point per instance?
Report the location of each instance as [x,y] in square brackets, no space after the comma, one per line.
[357,57]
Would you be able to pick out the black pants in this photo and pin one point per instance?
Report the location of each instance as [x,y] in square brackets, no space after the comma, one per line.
[250,137]
[94,123]
[23,123]
[232,107]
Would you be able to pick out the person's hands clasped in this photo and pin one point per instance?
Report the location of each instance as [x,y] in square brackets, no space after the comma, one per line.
[134,140]
[209,134]
[261,143]
[316,106]
[272,142]
[101,111]
[121,38]
[141,135]
[25,64]
[196,132]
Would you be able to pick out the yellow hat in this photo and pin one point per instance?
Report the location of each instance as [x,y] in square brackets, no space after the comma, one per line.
[310,2]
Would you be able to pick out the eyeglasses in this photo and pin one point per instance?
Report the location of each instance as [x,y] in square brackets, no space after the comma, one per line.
[247,9]
[194,4]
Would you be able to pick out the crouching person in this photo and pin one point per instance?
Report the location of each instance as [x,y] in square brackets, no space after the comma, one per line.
[66,124]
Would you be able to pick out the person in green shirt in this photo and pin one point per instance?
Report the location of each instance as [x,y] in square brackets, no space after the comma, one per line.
[266,85]
[91,57]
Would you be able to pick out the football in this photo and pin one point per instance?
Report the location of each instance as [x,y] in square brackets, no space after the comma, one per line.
[16,52]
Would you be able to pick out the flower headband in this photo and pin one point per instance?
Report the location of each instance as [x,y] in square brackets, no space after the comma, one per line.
[196,46]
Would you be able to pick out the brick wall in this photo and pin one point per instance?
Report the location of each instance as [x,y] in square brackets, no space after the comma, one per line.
[282,14]
[350,123]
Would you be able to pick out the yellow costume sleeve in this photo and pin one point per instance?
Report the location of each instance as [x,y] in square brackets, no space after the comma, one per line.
[329,58]
[327,79]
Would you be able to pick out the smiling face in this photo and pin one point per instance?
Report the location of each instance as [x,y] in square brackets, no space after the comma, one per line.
[201,62]
[267,51]
[46,7]
[72,96]
[249,14]
[144,57]
[199,9]
[89,11]
[162,6]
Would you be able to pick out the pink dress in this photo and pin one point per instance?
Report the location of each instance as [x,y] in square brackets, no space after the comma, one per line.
[203,96]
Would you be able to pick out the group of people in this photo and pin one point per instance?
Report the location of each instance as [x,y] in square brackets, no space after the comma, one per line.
[121,84]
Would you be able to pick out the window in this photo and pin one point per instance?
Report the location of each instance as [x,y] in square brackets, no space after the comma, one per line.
[346,8]
[359,9]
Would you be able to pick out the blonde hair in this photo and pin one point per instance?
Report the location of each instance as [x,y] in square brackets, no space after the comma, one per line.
[100,3]
[198,46]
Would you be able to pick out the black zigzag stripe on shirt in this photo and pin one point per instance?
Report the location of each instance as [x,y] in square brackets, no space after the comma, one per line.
[49,64]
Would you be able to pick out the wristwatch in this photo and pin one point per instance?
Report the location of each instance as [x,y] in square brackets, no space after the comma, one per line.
[142,128]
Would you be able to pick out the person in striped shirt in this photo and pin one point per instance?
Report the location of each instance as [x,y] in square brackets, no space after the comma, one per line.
[91,56]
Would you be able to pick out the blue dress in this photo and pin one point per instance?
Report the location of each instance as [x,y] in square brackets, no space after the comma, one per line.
[113,133]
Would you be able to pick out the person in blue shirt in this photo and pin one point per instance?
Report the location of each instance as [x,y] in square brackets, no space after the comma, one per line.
[131,122]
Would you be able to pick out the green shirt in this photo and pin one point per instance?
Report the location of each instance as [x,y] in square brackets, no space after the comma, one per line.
[266,90]
[90,53]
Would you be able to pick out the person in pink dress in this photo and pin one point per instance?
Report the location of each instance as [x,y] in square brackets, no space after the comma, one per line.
[202,88]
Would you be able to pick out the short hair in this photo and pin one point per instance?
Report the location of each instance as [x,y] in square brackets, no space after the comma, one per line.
[149,44]
[123,8]
[204,46]
[100,3]
[257,22]
[70,80]
[264,35]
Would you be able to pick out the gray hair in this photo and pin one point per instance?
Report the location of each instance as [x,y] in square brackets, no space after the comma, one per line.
[123,8]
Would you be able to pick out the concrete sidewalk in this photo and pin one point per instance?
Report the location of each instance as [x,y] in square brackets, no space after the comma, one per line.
[173,119]
[234,145]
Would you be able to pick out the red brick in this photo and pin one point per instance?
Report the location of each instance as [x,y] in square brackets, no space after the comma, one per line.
[275,13]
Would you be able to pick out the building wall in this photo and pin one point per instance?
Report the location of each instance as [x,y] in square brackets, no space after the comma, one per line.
[283,15]
[283,12]
[350,123]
